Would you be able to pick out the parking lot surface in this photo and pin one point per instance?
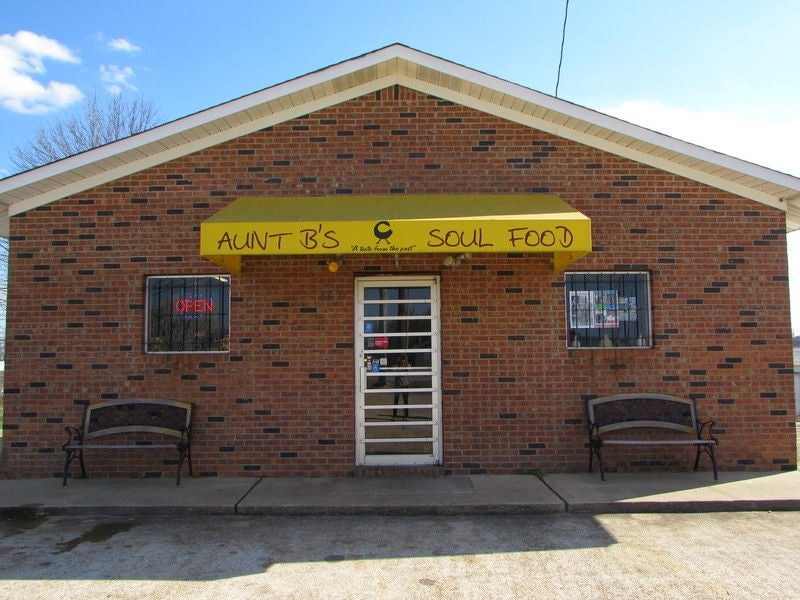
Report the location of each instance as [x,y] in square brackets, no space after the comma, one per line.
[714,555]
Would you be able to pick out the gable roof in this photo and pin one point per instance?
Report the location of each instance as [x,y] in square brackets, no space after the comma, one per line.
[395,64]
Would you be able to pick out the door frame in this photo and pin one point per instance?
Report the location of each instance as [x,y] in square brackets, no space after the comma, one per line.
[434,281]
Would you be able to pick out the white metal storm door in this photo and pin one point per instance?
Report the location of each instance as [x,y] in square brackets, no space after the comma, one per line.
[397,371]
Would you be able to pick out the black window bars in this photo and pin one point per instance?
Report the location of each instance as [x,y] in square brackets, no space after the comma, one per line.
[608,310]
[188,314]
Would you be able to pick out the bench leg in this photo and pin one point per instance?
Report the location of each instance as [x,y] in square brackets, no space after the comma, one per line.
[708,449]
[180,466]
[185,453]
[71,453]
[713,460]
[594,449]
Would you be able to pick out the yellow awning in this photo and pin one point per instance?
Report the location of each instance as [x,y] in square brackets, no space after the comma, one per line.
[395,224]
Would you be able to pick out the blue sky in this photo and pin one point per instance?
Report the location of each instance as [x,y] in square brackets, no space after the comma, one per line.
[723,74]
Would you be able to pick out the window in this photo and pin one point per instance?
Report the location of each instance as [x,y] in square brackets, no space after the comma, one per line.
[608,310]
[188,314]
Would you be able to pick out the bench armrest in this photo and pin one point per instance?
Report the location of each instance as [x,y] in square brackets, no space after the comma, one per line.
[594,431]
[705,426]
[75,435]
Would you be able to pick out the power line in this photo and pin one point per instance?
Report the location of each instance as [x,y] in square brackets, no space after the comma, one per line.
[563,37]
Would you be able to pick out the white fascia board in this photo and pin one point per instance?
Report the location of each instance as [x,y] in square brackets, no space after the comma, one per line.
[390,57]
[152,160]
[599,119]
[197,119]
[4,222]
[591,140]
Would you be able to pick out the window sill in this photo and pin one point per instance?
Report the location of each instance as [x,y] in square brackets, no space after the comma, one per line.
[187,351]
[650,347]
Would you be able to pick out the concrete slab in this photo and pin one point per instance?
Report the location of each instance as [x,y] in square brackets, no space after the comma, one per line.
[497,494]
[677,492]
[479,494]
[208,495]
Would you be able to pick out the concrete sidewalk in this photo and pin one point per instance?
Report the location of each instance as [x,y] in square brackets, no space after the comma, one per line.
[480,494]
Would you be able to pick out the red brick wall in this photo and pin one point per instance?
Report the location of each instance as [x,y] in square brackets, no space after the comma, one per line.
[282,401]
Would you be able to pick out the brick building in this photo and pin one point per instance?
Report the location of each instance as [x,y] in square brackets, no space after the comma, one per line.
[397,261]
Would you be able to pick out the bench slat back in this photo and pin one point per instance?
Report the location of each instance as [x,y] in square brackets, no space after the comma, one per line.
[167,417]
[634,411]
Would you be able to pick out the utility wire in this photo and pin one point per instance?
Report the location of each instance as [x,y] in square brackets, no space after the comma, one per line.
[563,37]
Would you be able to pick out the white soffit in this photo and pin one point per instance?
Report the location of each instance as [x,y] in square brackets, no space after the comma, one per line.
[397,64]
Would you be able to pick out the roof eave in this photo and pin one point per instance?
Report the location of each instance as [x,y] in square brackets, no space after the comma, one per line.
[200,118]
[394,64]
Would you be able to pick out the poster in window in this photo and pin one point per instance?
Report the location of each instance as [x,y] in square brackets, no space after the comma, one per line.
[604,309]
[594,309]
[580,309]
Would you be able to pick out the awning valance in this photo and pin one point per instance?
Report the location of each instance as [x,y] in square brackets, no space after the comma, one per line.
[396,224]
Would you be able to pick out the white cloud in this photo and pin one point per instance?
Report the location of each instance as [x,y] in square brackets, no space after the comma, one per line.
[4,173]
[760,137]
[116,78]
[123,45]
[22,56]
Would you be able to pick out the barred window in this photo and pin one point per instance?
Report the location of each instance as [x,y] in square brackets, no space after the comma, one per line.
[188,314]
[608,310]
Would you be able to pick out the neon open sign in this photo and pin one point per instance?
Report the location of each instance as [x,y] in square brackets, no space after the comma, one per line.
[193,308]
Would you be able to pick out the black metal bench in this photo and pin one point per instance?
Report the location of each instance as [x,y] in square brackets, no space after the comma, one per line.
[618,412]
[146,416]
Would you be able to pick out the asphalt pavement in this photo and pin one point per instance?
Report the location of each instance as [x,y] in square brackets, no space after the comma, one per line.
[565,555]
